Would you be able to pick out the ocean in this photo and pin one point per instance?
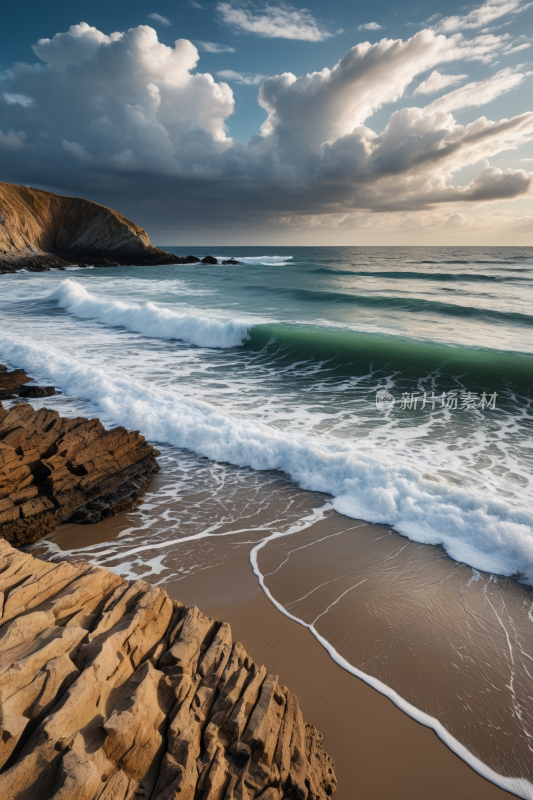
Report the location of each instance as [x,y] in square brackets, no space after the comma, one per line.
[358,420]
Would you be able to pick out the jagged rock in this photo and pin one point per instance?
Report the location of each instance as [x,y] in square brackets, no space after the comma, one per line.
[110,690]
[54,469]
[36,391]
[232,261]
[41,230]
[209,260]
[12,383]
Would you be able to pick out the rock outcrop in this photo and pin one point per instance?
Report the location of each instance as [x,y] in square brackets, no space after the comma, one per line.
[54,469]
[110,690]
[39,230]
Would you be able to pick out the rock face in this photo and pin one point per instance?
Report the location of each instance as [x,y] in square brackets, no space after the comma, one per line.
[39,230]
[54,469]
[110,690]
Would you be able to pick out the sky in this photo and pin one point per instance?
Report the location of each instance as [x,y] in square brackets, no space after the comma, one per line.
[270,123]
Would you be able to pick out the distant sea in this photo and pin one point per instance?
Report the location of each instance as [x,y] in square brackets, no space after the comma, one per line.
[391,385]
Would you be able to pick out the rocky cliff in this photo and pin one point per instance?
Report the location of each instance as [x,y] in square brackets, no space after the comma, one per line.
[54,469]
[110,690]
[39,230]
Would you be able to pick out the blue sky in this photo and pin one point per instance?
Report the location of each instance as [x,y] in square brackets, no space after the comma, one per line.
[273,122]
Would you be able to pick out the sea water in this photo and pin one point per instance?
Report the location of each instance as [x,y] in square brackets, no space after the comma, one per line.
[393,385]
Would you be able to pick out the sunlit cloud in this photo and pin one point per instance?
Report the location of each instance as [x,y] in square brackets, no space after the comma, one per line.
[239,77]
[213,47]
[482,15]
[161,19]
[274,22]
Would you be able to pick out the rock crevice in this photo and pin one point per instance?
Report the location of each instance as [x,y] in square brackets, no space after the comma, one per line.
[110,690]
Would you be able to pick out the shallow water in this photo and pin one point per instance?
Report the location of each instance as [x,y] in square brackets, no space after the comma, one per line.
[275,365]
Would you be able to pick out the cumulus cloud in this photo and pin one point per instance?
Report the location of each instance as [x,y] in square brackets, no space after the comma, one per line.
[326,105]
[369,26]
[437,81]
[238,77]
[159,18]
[274,22]
[482,15]
[213,47]
[123,118]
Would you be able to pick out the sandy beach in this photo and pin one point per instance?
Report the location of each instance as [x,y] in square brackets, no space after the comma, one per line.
[378,750]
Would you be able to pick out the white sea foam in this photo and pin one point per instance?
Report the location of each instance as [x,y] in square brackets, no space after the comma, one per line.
[150,319]
[263,261]
[474,527]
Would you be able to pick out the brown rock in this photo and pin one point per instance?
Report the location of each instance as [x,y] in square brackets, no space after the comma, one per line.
[109,690]
[53,469]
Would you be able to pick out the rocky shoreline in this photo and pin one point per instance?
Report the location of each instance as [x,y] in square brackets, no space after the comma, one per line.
[110,690]
[54,469]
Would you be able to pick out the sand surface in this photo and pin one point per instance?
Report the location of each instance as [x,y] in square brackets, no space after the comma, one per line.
[379,751]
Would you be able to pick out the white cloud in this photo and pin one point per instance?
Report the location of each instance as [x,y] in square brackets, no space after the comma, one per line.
[80,43]
[21,99]
[436,82]
[135,121]
[75,149]
[194,4]
[323,106]
[369,26]
[478,93]
[159,18]
[213,47]
[238,77]
[516,48]
[276,22]
[482,15]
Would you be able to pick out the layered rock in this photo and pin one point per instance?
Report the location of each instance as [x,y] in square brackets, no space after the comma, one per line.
[54,469]
[39,230]
[111,690]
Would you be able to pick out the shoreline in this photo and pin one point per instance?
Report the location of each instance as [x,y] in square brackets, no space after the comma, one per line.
[394,754]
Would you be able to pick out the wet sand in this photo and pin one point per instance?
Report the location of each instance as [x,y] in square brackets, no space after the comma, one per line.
[379,751]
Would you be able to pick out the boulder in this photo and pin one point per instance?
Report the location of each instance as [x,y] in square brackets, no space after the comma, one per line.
[54,470]
[36,391]
[110,690]
[233,261]
[209,260]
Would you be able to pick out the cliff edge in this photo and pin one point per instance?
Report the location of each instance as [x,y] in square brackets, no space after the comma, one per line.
[39,230]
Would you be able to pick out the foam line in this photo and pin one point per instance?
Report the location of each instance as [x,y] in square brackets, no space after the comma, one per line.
[474,527]
[150,319]
[517,786]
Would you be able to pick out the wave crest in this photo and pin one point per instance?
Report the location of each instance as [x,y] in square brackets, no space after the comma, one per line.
[150,319]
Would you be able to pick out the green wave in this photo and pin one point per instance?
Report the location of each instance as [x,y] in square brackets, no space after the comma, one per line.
[352,353]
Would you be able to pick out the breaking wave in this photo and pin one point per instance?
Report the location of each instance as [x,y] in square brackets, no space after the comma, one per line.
[474,527]
[150,319]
